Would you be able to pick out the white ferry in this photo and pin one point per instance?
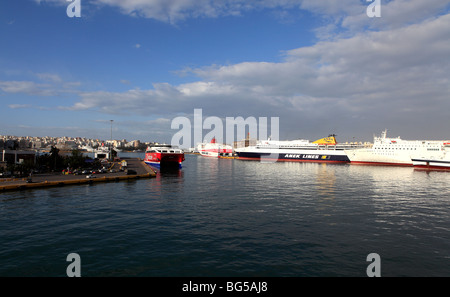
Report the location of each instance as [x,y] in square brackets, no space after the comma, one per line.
[325,150]
[394,151]
[213,149]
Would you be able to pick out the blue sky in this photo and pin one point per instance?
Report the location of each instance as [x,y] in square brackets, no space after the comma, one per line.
[320,66]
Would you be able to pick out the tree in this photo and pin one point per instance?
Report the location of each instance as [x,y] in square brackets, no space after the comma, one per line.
[76,159]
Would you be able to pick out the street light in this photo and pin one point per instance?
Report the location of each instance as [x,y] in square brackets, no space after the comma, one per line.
[110,146]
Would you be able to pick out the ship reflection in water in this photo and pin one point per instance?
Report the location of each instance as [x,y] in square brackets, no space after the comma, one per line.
[326,185]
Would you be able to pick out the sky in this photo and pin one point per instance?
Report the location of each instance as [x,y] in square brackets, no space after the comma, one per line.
[320,66]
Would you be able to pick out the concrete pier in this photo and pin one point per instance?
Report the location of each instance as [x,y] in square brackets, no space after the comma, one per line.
[141,170]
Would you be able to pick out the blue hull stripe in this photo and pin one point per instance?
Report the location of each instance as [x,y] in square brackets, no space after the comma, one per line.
[158,165]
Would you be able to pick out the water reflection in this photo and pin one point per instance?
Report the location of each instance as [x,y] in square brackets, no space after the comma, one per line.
[384,180]
[207,172]
[326,180]
[171,179]
[326,186]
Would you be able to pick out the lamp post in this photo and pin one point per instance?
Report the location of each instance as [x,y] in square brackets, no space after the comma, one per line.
[110,147]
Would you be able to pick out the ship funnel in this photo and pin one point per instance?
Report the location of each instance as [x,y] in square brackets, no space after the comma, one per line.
[330,140]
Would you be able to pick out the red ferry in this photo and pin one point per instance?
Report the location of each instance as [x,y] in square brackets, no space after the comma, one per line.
[164,156]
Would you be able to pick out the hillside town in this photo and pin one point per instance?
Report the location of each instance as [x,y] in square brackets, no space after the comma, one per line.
[25,153]
[8,142]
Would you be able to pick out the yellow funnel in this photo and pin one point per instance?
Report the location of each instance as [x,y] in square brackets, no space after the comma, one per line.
[330,140]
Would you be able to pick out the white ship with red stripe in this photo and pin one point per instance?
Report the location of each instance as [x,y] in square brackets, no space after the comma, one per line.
[394,151]
[213,149]
[164,156]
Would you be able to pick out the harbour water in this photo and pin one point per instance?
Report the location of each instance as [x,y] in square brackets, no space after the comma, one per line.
[233,218]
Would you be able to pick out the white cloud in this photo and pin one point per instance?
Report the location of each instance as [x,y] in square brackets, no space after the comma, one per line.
[49,84]
[27,87]
[17,106]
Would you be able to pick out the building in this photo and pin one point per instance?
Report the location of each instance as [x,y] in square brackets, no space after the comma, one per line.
[245,142]
[18,156]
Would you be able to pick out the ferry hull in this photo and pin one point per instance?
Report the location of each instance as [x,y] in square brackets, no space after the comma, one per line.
[425,164]
[371,157]
[210,154]
[216,154]
[378,163]
[158,164]
[300,156]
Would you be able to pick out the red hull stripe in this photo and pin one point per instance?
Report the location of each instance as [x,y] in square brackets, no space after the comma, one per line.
[431,167]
